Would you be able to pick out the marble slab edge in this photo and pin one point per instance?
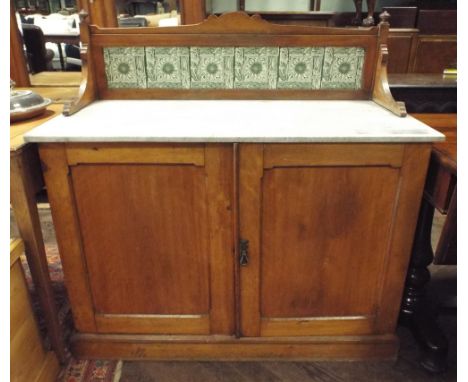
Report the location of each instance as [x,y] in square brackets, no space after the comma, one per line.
[394,139]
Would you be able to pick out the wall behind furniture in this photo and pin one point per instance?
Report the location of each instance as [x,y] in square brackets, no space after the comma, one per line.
[219,6]
[348,5]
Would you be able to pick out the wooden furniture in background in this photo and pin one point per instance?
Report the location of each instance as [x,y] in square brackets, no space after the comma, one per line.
[425,93]
[402,44]
[433,45]
[18,69]
[440,192]
[432,99]
[29,361]
[25,182]
[434,53]
[420,41]
[192,11]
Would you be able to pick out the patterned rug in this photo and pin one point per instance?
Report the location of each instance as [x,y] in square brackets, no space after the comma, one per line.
[91,371]
[75,370]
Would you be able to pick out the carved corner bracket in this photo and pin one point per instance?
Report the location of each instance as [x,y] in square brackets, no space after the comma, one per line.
[381,92]
[87,92]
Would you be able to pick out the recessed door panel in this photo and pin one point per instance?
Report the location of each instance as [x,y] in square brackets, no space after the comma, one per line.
[319,219]
[323,232]
[145,237]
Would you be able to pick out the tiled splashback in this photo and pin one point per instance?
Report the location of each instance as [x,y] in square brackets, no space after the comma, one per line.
[234,68]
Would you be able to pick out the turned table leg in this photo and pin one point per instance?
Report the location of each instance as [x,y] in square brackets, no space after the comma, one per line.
[416,311]
[24,181]
[356,21]
[369,20]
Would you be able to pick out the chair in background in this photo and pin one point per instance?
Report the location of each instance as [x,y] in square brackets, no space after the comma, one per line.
[39,57]
[73,58]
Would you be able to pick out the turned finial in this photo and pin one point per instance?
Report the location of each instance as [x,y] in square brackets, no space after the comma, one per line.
[83,15]
[384,17]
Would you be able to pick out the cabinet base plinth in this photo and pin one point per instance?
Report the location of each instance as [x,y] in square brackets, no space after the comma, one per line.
[109,346]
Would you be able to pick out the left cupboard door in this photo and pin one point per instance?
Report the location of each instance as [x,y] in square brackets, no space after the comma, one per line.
[145,235]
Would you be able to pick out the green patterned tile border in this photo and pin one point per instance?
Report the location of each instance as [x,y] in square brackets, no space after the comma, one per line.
[234,67]
[300,68]
[168,68]
[342,68]
[125,67]
[256,68]
[211,68]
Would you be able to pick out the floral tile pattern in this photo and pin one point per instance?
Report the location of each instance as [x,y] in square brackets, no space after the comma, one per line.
[125,67]
[256,68]
[300,68]
[168,67]
[211,68]
[234,67]
[342,68]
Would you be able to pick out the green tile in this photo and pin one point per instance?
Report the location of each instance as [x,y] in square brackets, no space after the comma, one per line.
[256,68]
[211,68]
[342,68]
[168,67]
[229,67]
[300,68]
[125,67]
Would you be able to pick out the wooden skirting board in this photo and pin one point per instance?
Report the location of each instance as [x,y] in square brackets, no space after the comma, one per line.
[226,348]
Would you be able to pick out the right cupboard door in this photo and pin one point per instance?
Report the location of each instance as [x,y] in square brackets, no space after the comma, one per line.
[329,230]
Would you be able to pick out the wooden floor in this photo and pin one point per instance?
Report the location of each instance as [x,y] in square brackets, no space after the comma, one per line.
[405,369]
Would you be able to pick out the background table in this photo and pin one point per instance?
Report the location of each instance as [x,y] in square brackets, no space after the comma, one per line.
[71,39]
[440,192]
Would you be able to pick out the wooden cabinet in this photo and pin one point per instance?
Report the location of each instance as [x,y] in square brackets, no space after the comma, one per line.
[235,250]
[151,236]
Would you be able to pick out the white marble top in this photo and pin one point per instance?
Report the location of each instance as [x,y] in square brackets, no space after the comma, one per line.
[233,121]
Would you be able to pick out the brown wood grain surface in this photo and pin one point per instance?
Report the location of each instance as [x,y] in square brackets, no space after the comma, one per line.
[401,49]
[18,67]
[320,231]
[155,232]
[329,228]
[411,184]
[57,94]
[250,186]
[29,359]
[228,348]
[56,79]
[325,233]
[19,128]
[67,228]
[434,53]
[145,237]
[447,125]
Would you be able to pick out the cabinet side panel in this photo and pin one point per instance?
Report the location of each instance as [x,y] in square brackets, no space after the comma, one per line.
[325,236]
[145,237]
[413,175]
[61,198]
